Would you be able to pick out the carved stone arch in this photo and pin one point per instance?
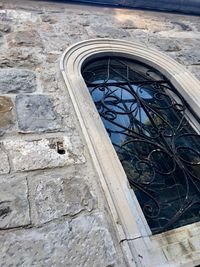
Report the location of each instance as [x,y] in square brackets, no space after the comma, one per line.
[126,213]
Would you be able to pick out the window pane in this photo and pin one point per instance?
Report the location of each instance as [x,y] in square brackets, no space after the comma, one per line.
[153,132]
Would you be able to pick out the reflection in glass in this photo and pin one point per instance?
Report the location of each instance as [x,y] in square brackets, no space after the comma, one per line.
[153,134]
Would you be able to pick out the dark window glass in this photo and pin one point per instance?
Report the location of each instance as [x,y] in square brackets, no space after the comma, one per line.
[155,135]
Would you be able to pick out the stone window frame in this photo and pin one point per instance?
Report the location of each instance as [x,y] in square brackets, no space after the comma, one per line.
[132,229]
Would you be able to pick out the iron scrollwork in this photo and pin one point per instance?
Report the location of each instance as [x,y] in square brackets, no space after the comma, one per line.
[154,134]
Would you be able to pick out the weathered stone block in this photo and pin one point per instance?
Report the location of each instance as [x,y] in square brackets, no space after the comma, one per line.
[35,113]
[106,31]
[4,28]
[6,116]
[17,81]
[42,154]
[84,242]
[55,196]
[20,57]
[25,38]
[14,207]
[164,44]
[4,162]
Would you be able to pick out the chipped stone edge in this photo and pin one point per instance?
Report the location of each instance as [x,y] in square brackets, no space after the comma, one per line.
[127,216]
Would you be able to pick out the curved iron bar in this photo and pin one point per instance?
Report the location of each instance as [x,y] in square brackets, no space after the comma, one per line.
[154,137]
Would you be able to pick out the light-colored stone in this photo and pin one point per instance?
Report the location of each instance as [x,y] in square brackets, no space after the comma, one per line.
[82,242]
[25,38]
[53,196]
[107,31]
[14,206]
[164,44]
[42,153]
[21,58]
[17,81]
[40,32]
[4,28]
[35,113]
[4,162]
[195,69]
[15,16]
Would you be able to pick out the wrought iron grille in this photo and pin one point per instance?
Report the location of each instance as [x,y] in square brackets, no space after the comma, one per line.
[155,135]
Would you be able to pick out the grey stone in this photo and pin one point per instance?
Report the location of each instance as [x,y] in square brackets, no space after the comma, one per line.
[17,81]
[49,19]
[20,57]
[106,31]
[129,24]
[195,70]
[165,44]
[189,57]
[56,195]
[25,38]
[4,162]
[5,28]
[4,16]
[35,113]
[14,206]
[83,242]
[182,26]
[138,35]
[42,154]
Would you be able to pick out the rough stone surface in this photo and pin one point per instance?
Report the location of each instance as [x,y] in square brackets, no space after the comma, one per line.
[106,31]
[164,44]
[4,163]
[57,195]
[4,28]
[182,243]
[35,113]
[82,242]
[20,57]
[17,81]
[25,38]
[14,206]
[42,154]
[6,115]
[33,35]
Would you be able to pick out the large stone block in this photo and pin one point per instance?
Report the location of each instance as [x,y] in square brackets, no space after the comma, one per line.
[43,153]
[53,196]
[82,242]
[25,38]
[14,206]
[4,162]
[35,113]
[164,44]
[6,115]
[107,31]
[21,58]
[4,28]
[17,81]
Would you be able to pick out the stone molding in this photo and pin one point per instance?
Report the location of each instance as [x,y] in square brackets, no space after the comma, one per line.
[127,216]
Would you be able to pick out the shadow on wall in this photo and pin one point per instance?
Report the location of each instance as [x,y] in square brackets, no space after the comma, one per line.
[180,6]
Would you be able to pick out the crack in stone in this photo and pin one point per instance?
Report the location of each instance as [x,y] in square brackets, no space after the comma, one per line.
[28,199]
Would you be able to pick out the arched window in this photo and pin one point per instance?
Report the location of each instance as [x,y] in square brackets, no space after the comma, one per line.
[150,106]
[153,132]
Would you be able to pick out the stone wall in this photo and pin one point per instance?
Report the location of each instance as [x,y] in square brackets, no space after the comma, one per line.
[52,208]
